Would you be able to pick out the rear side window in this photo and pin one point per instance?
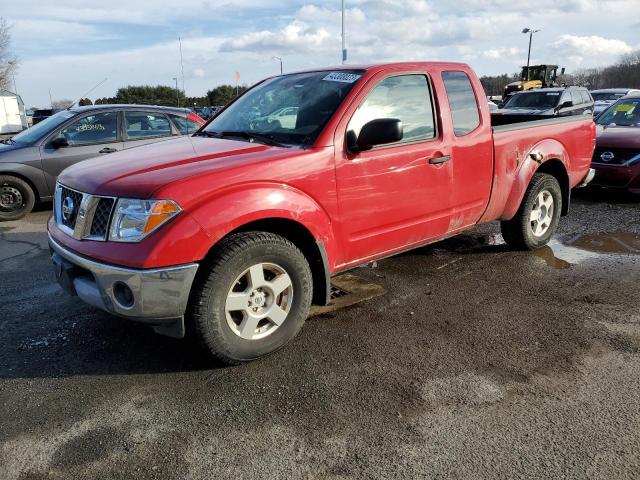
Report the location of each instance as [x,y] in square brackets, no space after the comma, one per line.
[146,124]
[185,126]
[586,97]
[462,102]
[405,97]
[95,128]
[576,97]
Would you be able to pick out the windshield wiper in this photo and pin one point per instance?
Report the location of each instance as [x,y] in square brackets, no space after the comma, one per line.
[204,133]
[251,136]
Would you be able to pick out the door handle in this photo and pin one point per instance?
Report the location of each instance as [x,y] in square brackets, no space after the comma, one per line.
[108,150]
[437,160]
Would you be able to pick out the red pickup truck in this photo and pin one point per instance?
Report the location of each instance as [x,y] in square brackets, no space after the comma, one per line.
[234,232]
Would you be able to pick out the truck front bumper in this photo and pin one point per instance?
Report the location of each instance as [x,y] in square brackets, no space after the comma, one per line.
[156,296]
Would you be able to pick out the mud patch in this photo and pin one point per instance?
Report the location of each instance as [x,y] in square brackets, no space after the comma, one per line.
[347,290]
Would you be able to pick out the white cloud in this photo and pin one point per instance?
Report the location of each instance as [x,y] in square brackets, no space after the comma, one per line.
[199,72]
[296,37]
[591,49]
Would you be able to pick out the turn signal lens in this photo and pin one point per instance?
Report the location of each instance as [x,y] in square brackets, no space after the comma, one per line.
[162,211]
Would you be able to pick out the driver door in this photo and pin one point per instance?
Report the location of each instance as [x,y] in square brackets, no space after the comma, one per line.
[91,135]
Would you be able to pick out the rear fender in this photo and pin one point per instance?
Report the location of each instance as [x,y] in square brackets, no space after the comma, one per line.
[232,209]
[548,156]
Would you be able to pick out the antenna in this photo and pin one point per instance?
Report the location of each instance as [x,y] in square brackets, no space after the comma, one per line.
[181,66]
[87,93]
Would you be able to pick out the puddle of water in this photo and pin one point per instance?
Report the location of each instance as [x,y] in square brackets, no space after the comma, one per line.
[347,290]
[614,242]
[562,255]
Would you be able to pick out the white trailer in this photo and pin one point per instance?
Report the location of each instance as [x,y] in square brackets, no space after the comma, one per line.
[12,115]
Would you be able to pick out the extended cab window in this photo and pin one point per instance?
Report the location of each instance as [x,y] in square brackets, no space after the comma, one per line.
[405,97]
[146,124]
[462,102]
[95,128]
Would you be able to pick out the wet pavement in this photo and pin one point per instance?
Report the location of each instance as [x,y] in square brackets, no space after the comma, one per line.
[477,362]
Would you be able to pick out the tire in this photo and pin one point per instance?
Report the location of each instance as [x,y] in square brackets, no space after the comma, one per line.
[544,199]
[16,198]
[230,295]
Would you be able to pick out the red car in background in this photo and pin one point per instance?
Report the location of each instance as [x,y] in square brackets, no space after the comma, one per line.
[616,158]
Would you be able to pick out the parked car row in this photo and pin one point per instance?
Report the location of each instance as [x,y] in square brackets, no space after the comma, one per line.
[616,158]
[544,103]
[31,160]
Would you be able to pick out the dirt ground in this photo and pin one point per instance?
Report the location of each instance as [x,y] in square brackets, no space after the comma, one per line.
[478,362]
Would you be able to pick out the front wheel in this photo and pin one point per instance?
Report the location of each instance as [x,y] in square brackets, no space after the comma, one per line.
[538,216]
[252,298]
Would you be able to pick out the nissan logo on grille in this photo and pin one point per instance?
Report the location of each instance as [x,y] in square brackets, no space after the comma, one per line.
[607,156]
[68,209]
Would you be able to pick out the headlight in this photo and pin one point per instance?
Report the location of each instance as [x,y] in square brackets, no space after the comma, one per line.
[135,219]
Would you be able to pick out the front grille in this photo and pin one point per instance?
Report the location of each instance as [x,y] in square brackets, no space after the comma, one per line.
[101,217]
[81,215]
[620,155]
[69,210]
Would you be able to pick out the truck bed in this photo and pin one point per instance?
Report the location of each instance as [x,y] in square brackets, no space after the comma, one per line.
[513,141]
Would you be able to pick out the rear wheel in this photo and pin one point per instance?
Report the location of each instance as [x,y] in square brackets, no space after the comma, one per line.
[253,298]
[16,198]
[538,216]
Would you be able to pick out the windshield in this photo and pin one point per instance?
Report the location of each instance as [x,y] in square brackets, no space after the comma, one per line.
[625,113]
[290,109]
[606,96]
[39,130]
[538,100]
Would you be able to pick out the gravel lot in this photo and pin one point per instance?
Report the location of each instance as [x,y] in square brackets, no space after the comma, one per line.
[478,362]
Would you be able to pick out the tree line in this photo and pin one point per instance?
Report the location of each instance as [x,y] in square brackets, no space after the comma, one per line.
[171,97]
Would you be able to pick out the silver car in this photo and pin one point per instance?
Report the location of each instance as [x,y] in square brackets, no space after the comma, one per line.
[608,96]
[31,161]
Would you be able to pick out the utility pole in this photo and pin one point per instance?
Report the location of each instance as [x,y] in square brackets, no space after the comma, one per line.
[50,99]
[344,48]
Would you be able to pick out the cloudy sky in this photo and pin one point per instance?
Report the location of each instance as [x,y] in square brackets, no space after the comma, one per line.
[70,45]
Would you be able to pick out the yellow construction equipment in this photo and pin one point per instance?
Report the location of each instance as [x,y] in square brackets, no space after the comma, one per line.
[534,76]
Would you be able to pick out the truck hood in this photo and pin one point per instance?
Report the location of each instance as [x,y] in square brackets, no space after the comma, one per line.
[139,172]
[618,137]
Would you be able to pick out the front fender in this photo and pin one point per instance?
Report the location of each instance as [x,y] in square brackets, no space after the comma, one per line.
[545,151]
[236,207]
[33,175]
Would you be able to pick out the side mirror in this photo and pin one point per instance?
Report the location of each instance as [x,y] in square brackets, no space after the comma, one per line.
[565,104]
[59,142]
[376,132]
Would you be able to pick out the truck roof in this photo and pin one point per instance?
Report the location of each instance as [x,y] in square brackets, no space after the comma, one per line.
[381,66]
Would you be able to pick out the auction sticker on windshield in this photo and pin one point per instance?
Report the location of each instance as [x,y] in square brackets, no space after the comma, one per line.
[342,77]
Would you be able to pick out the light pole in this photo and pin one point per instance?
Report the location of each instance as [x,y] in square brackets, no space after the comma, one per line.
[344,48]
[280,60]
[530,31]
[177,92]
